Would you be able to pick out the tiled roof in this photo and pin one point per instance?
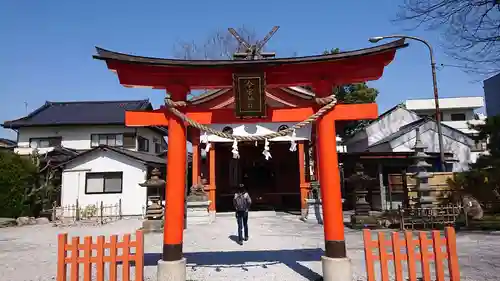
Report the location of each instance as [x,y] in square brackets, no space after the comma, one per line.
[410,127]
[370,122]
[164,155]
[141,156]
[136,155]
[7,142]
[403,130]
[79,113]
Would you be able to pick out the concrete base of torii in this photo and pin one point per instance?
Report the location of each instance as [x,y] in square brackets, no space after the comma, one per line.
[333,270]
[171,270]
[336,269]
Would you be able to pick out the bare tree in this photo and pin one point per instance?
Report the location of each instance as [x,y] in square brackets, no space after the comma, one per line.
[470,29]
[219,45]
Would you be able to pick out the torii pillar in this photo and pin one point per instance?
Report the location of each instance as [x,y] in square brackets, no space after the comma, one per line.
[335,264]
[173,264]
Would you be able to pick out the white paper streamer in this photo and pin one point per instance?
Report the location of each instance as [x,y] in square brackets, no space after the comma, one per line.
[207,147]
[236,153]
[204,139]
[293,143]
[266,152]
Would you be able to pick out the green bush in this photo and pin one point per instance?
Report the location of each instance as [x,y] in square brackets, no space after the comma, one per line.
[17,177]
[482,180]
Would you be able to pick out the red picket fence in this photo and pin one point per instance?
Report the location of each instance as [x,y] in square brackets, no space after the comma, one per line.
[411,251]
[106,253]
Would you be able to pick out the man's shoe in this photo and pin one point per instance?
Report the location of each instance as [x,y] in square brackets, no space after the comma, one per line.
[240,242]
[246,238]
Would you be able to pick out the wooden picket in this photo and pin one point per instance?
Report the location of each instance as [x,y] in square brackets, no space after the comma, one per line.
[410,250]
[74,260]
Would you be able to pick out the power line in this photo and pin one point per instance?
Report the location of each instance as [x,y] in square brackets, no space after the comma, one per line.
[467,67]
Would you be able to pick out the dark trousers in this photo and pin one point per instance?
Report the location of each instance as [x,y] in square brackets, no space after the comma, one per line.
[242,220]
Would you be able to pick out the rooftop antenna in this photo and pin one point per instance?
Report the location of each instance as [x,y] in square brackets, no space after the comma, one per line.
[253,51]
[26,107]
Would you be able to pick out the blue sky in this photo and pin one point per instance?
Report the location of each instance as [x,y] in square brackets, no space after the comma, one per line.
[47,46]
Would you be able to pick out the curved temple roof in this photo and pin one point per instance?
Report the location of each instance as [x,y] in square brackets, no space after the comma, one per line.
[103,54]
[341,68]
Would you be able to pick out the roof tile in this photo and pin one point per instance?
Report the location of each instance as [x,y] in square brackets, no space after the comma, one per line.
[79,113]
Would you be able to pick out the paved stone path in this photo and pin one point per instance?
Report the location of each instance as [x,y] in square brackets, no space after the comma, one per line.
[280,248]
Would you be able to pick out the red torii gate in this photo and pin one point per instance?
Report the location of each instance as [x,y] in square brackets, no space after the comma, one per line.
[322,72]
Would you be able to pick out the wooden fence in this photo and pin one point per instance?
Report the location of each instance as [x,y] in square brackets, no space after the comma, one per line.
[97,212]
[436,216]
[402,188]
[411,250]
[106,253]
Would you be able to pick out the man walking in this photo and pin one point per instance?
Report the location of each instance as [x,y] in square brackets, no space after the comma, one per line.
[242,202]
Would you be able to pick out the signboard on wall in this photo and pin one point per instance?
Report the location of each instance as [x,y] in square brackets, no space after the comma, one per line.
[250,94]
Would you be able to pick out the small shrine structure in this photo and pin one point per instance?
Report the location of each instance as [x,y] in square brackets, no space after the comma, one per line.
[249,81]
[154,208]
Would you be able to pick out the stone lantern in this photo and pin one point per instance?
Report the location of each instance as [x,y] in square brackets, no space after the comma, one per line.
[360,183]
[197,205]
[419,168]
[154,208]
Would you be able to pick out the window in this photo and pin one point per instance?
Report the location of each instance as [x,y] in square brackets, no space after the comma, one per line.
[129,140]
[157,143]
[143,144]
[479,145]
[45,142]
[457,117]
[98,183]
[433,116]
[106,139]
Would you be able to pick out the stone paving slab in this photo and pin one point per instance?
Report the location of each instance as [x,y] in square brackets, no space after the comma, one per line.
[280,248]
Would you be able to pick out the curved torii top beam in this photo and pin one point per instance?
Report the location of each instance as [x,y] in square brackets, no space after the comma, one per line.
[340,68]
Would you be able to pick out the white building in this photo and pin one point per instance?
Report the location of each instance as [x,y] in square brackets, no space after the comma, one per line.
[458,113]
[455,112]
[395,131]
[109,159]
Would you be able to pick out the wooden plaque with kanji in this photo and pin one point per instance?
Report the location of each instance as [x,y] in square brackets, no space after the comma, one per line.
[250,94]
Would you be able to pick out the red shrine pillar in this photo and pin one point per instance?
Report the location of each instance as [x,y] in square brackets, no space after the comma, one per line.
[195,141]
[335,264]
[304,185]
[173,265]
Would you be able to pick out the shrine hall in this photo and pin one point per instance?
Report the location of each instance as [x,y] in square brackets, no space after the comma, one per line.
[279,183]
[258,125]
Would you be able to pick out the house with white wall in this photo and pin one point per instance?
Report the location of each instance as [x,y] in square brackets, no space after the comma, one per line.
[109,174]
[457,112]
[6,144]
[395,131]
[110,159]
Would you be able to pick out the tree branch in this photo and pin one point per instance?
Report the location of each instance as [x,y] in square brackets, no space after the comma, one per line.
[470,28]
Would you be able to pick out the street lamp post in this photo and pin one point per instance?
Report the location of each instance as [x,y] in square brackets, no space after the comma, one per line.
[434,82]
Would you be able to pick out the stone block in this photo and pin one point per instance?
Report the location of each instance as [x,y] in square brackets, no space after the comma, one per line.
[197,213]
[336,269]
[171,270]
[152,226]
[358,221]
[42,221]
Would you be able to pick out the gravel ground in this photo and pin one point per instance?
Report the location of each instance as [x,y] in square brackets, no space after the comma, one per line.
[280,248]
